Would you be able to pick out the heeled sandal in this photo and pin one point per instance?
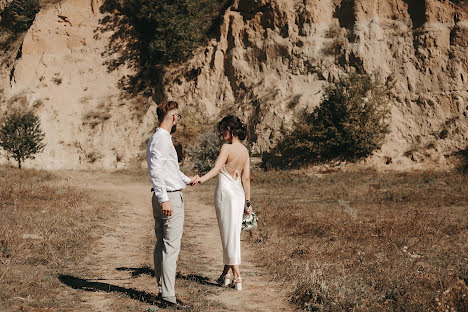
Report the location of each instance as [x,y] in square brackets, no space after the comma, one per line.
[224,280]
[237,283]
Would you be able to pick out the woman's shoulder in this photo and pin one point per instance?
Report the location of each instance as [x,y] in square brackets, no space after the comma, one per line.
[226,147]
[246,150]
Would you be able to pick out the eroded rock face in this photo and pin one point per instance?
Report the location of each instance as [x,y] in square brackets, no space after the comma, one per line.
[273,58]
[271,61]
[60,74]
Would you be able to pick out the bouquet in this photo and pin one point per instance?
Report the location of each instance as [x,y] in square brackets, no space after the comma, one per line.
[249,221]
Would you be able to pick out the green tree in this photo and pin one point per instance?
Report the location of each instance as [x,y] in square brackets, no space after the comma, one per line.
[349,124]
[152,34]
[21,136]
[19,15]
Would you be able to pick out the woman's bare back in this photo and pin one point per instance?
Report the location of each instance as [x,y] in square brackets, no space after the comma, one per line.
[238,155]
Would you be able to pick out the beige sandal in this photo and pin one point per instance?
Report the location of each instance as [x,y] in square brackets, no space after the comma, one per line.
[237,283]
[224,280]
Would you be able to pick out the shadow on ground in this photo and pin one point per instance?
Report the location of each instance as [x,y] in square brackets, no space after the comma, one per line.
[87,285]
[203,280]
[91,284]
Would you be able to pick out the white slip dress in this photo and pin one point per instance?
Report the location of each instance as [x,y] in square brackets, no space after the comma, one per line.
[229,204]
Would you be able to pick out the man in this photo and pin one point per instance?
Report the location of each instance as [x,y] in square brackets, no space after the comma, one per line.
[168,203]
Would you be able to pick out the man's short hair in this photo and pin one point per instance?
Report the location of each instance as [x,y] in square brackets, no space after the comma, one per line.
[164,107]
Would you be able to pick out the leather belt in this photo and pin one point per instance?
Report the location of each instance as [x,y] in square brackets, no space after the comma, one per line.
[152,190]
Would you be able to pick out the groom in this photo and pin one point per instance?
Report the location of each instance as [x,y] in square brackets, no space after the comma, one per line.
[168,202]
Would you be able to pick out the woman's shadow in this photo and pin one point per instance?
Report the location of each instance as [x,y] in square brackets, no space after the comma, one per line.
[93,284]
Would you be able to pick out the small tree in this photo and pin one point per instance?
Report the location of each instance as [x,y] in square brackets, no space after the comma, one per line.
[350,124]
[21,136]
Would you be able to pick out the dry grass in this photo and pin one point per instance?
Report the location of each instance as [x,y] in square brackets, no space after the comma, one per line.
[46,228]
[365,241]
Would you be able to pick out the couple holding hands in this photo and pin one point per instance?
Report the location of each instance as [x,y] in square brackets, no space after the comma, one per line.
[232,198]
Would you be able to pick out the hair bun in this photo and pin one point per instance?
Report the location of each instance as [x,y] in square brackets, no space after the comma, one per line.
[235,125]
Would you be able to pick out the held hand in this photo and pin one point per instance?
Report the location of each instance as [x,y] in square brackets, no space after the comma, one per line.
[194,180]
[166,209]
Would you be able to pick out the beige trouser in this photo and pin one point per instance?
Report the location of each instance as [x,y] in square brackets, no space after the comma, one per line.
[168,236]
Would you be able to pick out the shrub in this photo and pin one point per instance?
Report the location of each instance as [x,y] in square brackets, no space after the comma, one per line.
[193,123]
[350,124]
[463,160]
[21,136]
[205,151]
[19,15]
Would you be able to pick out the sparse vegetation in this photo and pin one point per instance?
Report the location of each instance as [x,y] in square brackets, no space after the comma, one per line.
[94,118]
[349,125]
[21,136]
[57,80]
[464,160]
[93,157]
[365,241]
[193,123]
[153,34]
[19,15]
[46,227]
[205,151]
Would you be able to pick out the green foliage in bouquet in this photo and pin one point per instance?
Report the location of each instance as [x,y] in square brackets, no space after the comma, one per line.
[350,124]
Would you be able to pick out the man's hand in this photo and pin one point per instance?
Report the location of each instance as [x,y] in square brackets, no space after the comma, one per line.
[166,209]
[194,180]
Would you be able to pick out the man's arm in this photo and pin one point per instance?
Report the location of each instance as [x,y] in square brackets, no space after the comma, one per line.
[187,180]
[157,156]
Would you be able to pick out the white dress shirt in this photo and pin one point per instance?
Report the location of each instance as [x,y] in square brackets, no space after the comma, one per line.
[163,165]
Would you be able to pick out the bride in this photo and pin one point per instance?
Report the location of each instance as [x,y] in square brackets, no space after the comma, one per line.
[232,197]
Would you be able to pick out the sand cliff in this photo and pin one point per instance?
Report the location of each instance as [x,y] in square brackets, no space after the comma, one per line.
[271,60]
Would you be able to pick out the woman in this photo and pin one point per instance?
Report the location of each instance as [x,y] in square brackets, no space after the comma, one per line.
[232,197]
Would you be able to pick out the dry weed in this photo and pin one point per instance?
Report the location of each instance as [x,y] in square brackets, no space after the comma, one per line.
[46,227]
[365,241]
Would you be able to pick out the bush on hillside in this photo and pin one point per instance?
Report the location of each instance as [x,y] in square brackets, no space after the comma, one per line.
[349,124]
[463,160]
[193,123]
[205,151]
[19,15]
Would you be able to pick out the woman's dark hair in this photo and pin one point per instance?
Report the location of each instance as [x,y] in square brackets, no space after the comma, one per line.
[234,125]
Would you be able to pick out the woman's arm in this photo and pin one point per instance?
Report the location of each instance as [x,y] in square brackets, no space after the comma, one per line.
[223,155]
[246,180]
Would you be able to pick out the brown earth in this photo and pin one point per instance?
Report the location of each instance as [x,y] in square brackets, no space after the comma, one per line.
[122,258]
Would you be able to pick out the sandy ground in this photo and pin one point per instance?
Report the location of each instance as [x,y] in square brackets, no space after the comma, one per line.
[119,264]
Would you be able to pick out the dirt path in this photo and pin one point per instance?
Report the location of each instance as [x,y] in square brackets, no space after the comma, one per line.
[119,266]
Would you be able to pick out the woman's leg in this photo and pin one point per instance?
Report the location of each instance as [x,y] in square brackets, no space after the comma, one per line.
[235,271]
[226,269]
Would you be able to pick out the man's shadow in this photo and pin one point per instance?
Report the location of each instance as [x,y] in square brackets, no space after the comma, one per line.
[88,285]
[203,280]
[91,285]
